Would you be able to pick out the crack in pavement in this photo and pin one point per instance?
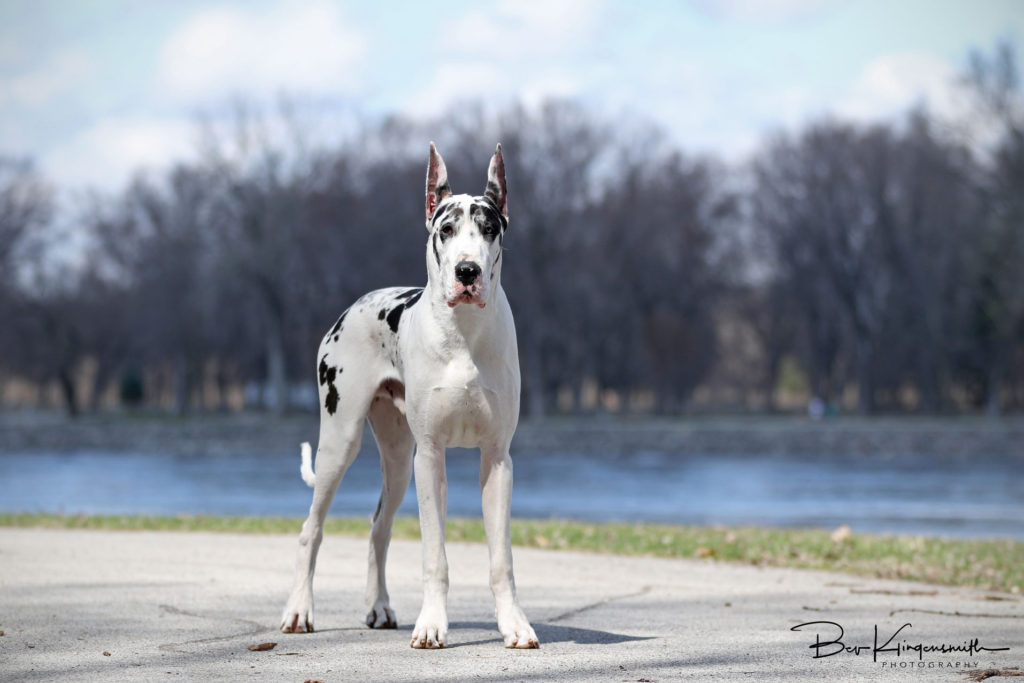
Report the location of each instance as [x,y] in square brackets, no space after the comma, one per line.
[579,610]
[171,609]
[958,614]
[886,591]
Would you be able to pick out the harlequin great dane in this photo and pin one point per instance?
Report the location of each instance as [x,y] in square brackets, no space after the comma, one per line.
[430,367]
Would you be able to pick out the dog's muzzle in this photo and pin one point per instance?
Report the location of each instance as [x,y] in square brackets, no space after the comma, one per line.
[467,284]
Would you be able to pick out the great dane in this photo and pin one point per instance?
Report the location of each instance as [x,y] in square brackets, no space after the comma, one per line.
[430,367]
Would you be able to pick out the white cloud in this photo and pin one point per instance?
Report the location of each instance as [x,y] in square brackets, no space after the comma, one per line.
[776,11]
[889,85]
[474,81]
[61,73]
[514,28]
[789,105]
[511,51]
[554,84]
[106,154]
[454,82]
[308,49]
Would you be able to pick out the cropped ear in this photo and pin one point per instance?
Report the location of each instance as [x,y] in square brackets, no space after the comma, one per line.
[437,181]
[496,190]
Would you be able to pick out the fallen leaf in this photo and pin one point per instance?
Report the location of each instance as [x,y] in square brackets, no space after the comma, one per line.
[262,646]
[106,654]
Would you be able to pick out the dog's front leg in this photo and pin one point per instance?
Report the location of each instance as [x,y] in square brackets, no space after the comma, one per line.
[431,629]
[496,494]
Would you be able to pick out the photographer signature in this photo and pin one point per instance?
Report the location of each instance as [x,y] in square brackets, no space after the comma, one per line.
[833,643]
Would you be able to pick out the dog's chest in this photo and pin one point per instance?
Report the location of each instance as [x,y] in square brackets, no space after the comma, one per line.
[460,404]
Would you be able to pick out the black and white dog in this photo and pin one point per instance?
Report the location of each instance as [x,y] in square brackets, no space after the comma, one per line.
[429,367]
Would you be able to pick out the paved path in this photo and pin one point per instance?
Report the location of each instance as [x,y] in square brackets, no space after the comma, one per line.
[171,606]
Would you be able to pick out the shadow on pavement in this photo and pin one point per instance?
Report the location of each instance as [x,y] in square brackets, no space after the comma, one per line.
[548,633]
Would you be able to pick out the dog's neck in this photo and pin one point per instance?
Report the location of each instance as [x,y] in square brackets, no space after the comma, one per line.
[465,324]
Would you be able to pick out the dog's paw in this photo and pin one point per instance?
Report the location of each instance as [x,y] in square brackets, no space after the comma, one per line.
[293,622]
[431,630]
[381,616]
[298,615]
[516,630]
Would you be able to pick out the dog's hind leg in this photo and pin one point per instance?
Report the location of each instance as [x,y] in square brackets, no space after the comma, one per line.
[341,434]
[396,443]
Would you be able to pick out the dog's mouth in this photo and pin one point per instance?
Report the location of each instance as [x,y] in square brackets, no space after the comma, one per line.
[466,294]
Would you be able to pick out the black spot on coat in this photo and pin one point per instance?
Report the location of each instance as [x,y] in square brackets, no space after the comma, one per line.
[411,296]
[331,402]
[394,316]
[327,375]
[324,369]
[409,293]
[491,209]
[441,212]
[337,325]
[487,213]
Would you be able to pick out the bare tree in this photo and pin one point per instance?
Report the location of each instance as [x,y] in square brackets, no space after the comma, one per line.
[886,256]
[819,198]
[995,81]
[550,186]
[255,210]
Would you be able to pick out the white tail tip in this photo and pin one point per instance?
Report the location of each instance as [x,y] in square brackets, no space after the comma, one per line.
[306,469]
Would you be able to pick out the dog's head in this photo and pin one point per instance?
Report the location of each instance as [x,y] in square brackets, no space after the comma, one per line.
[466,232]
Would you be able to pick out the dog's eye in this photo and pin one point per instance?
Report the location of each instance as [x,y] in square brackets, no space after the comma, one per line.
[446,231]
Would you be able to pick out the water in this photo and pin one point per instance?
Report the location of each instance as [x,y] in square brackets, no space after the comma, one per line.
[953,495]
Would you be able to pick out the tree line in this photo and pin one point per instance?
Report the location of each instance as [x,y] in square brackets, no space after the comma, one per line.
[876,266]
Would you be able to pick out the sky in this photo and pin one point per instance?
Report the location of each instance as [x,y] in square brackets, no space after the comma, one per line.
[94,90]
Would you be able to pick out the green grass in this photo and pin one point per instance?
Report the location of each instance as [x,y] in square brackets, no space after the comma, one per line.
[993,564]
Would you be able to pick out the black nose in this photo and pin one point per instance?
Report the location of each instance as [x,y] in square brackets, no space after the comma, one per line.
[466,272]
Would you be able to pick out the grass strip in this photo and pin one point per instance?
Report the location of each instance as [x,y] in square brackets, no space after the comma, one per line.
[991,564]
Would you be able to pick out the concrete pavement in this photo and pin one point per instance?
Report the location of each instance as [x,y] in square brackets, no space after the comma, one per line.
[169,606]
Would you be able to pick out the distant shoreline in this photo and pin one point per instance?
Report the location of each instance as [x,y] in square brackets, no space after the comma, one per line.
[28,431]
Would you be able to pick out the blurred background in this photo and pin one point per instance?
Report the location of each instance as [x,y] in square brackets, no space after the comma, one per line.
[733,225]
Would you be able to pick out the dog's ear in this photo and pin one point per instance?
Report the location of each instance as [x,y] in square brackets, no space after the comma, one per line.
[496,190]
[437,182]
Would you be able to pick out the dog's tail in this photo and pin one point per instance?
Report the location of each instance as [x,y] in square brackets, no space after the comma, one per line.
[306,469]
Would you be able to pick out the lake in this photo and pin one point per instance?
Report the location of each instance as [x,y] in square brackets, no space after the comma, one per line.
[955,481]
